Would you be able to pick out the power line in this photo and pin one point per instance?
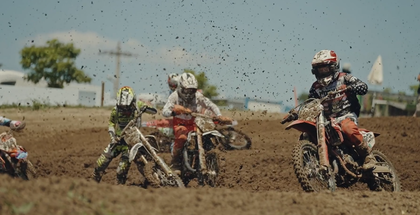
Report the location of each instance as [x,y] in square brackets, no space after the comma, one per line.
[117,53]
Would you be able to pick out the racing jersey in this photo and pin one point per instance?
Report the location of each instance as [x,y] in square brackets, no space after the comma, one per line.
[121,117]
[344,102]
[198,105]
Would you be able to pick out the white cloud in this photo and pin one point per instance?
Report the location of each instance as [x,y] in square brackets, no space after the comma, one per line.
[92,43]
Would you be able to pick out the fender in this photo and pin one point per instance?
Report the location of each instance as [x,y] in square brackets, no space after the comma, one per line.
[214,133]
[134,150]
[303,126]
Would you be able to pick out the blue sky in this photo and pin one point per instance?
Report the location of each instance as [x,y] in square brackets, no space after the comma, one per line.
[259,49]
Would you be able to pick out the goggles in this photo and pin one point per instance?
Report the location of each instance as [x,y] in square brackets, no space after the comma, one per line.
[188,91]
[172,86]
[323,71]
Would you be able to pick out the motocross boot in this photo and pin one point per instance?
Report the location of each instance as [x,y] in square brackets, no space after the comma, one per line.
[121,179]
[365,152]
[17,125]
[176,162]
[96,176]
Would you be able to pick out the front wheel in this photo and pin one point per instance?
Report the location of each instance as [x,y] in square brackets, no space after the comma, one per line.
[211,175]
[155,175]
[311,175]
[384,180]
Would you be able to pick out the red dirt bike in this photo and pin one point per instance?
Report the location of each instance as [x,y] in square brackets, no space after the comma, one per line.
[14,158]
[233,139]
[201,151]
[324,159]
[144,155]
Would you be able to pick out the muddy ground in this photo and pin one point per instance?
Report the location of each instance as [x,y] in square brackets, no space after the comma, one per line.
[64,143]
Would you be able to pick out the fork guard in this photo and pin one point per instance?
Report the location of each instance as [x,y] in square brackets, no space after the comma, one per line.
[186,163]
[134,150]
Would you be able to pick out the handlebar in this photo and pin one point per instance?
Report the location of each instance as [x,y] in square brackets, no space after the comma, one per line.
[215,119]
[293,115]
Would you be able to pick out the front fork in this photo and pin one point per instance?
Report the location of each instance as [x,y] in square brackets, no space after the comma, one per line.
[322,144]
[201,153]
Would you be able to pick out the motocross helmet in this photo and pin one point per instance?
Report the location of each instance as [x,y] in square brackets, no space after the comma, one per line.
[325,66]
[173,81]
[187,87]
[125,97]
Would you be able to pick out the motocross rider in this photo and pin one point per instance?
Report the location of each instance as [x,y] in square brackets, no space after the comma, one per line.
[124,111]
[183,101]
[344,107]
[14,125]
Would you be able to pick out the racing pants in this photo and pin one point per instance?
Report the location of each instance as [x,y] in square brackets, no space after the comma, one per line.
[110,152]
[350,129]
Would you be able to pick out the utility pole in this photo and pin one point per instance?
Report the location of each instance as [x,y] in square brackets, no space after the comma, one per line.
[118,53]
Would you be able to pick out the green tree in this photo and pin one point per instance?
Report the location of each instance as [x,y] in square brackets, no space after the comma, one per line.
[209,91]
[53,62]
[302,97]
[414,88]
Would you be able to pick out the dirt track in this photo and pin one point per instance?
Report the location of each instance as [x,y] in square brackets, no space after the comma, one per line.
[64,143]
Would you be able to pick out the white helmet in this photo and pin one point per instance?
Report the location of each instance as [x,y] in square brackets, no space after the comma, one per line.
[125,97]
[187,87]
[325,66]
[173,81]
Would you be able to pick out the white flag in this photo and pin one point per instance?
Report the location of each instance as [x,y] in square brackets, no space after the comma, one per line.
[376,73]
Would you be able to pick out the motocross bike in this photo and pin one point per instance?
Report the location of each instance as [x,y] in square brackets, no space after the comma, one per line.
[324,159]
[232,139]
[144,155]
[200,153]
[14,158]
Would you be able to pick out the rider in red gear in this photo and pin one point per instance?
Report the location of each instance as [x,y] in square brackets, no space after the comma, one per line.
[344,107]
[186,99]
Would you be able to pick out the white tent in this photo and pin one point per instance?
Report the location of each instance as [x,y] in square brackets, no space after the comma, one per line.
[376,76]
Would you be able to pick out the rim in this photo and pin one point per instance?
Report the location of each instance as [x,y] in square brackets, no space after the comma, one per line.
[385,181]
[317,177]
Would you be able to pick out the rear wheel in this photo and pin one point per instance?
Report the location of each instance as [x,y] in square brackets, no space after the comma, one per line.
[235,139]
[26,170]
[311,175]
[387,180]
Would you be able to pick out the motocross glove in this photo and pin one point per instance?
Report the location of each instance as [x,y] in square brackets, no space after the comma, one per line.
[178,109]
[224,119]
[358,89]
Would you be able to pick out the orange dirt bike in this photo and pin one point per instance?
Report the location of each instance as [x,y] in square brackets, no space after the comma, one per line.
[14,158]
[325,159]
[201,151]
[144,155]
[233,139]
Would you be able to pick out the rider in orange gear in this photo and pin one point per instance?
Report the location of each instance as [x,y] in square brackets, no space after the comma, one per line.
[183,101]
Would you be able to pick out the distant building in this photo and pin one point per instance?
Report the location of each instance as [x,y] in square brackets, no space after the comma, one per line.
[14,89]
